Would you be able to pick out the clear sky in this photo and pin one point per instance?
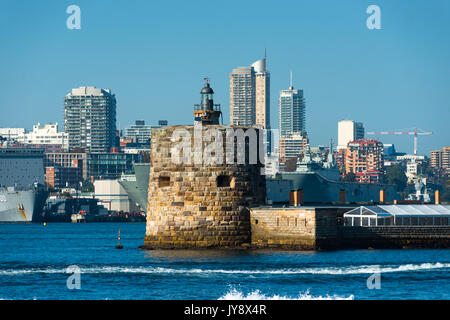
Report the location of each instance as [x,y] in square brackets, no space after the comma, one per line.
[154,54]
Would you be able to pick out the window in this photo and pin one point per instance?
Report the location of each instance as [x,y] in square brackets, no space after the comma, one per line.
[164,182]
[225,181]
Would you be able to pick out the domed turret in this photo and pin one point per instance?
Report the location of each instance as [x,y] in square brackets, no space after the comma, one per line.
[207,112]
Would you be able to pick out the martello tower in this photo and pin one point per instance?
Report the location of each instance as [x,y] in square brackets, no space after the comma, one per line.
[197,203]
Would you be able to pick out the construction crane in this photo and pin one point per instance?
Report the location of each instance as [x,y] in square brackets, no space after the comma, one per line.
[415,133]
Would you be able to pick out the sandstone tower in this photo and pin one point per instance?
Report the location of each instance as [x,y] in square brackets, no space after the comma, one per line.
[197,200]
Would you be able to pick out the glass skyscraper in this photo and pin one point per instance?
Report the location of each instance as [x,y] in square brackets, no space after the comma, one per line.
[291,117]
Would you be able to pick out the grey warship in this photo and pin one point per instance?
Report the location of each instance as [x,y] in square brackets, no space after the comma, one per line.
[22,193]
[321,183]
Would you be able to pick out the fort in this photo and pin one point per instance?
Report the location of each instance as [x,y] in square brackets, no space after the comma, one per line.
[201,204]
[197,200]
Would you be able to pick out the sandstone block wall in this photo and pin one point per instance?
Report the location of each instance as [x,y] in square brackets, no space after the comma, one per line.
[306,228]
[283,227]
[311,228]
[199,205]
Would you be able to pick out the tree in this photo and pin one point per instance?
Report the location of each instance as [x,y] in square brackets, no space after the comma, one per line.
[291,164]
[396,176]
[349,177]
[444,186]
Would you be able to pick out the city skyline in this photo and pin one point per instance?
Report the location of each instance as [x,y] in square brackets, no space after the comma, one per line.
[388,79]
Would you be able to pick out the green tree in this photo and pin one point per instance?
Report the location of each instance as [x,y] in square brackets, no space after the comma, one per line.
[396,176]
[291,164]
[349,177]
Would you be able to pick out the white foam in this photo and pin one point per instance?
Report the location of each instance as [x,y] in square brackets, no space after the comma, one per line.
[234,294]
[363,269]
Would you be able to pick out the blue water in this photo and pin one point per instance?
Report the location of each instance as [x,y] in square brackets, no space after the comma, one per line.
[34,260]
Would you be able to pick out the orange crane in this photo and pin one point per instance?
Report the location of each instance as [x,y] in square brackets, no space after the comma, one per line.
[415,133]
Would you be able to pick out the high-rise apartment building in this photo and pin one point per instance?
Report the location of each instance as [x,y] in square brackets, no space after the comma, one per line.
[291,111]
[436,159]
[90,119]
[292,145]
[250,95]
[142,132]
[440,159]
[349,130]
[364,158]
[446,157]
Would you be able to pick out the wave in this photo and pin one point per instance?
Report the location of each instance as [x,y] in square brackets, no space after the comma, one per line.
[364,269]
[234,294]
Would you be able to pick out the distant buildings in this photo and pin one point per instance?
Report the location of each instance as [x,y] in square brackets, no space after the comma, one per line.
[250,95]
[63,160]
[440,159]
[46,134]
[61,177]
[90,119]
[10,134]
[291,146]
[113,196]
[364,158]
[21,167]
[349,130]
[47,137]
[102,166]
[291,111]
[141,133]
[291,124]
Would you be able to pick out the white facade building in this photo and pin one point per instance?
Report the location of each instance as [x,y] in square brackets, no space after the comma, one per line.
[46,134]
[113,196]
[349,130]
[11,133]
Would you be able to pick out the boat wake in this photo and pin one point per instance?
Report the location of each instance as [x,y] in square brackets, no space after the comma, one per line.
[363,269]
[234,294]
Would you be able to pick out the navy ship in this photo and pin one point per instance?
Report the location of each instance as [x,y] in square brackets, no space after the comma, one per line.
[22,193]
[321,183]
[136,185]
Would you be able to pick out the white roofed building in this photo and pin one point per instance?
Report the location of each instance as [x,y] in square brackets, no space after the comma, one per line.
[398,215]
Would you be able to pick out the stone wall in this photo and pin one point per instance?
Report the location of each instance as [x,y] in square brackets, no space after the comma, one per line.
[199,205]
[395,237]
[307,228]
[315,228]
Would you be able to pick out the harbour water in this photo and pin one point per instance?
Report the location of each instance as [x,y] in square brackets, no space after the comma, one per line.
[34,259]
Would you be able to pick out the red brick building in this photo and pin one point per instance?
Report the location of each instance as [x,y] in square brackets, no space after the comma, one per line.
[364,158]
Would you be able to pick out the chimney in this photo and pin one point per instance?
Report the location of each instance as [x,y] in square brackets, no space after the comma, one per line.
[296,197]
[342,195]
[292,198]
[300,196]
[437,197]
[382,196]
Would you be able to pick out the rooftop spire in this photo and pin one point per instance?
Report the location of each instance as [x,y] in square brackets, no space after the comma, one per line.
[290,83]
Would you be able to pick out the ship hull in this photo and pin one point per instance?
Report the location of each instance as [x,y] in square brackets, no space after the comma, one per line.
[317,189]
[21,206]
[138,190]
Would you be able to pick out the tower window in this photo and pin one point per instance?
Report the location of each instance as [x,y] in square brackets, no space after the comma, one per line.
[225,181]
[164,182]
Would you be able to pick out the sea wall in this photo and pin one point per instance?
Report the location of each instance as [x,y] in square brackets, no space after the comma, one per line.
[395,237]
[320,228]
[306,228]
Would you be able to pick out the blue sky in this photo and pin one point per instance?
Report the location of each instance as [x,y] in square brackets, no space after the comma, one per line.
[154,54]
